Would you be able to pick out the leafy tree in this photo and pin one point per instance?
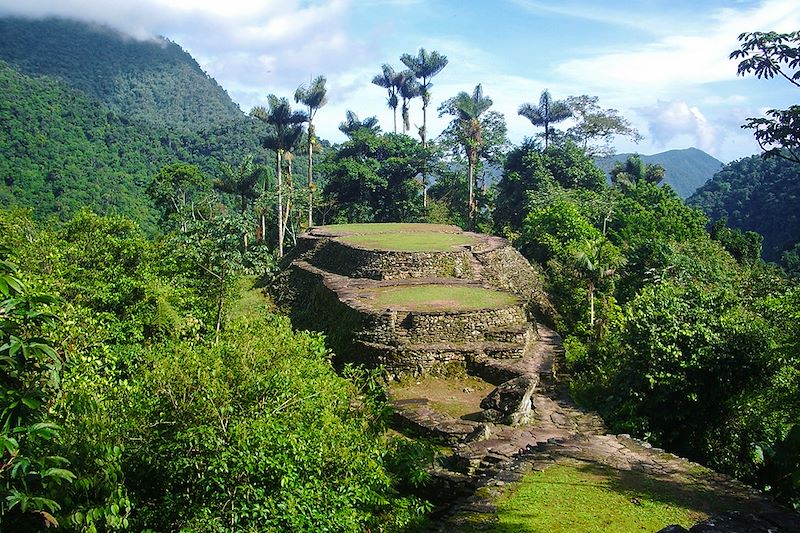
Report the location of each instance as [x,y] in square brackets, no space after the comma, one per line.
[390,80]
[597,124]
[548,112]
[372,178]
[352,124]
[770,54]
[743,246]
[181,191]
[286,132]
[529,171]
[468,129]
[30,371]
[313,97]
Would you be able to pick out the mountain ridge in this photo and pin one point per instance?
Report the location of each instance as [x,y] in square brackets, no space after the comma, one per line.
[686,169]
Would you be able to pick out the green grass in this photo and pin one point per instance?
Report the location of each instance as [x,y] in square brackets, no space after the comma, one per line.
[409,242]
[390,227]
[438,298]
[589,497]
[248,299]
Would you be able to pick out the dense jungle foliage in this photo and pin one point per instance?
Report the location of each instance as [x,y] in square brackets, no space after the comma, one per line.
[123,409]
[748,194]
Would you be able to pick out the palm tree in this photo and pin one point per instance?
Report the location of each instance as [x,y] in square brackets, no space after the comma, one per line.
[635,170]
[285,132]
[352,124]
[596,259]
[240,181]
[313,97]
[425,66]
[390,80]
[548,112]
[468,109]
[409,88]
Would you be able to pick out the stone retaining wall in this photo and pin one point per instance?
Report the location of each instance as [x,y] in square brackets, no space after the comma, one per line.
[346,260]
[460,327]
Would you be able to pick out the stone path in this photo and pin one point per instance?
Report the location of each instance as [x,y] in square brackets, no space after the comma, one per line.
[488,456]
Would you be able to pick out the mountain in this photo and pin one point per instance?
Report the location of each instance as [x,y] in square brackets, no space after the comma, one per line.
[88,116]
[686,169]
[756,194]
[155,80]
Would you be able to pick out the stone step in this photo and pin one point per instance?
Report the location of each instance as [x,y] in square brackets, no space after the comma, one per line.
[417,416]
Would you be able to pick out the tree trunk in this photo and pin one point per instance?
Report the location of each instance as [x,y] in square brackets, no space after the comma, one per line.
[424,134]
[394,111]
[310,180]
[278,155]
[591,305]
[471,200]
[220,303]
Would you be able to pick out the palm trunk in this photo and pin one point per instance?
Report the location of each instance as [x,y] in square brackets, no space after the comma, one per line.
[591,305]
[310,180]
[471,200]
[394,111]
[280,202]
[424,134]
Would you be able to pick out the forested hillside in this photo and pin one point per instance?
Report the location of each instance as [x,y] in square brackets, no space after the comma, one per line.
[155,80]
[686,170]
[61,150]
[757,194]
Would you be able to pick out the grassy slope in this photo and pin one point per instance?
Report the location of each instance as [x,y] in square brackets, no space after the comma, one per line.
[409,242]
[590,497]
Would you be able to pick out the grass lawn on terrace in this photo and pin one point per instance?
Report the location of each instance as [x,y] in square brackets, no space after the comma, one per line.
[437,298]
[587,497]
[409,242]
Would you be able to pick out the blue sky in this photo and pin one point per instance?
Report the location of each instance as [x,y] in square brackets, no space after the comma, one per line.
[662,64]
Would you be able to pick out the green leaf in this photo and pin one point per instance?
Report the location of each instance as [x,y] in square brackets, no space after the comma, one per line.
[60,474]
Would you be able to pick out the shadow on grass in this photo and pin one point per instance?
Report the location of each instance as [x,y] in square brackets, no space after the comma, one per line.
[579,496]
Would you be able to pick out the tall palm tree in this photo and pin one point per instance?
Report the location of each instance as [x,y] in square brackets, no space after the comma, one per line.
[548,112]
[425,65]
[408,89]
[313,97]
[240,181]
[390,80]
[468,109]
[352,124]
[285,132]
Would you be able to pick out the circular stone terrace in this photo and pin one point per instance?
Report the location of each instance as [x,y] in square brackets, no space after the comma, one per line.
[403,237]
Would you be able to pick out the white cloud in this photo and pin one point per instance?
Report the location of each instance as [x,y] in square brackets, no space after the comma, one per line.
[694,54]
[244,44]
[670,120]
